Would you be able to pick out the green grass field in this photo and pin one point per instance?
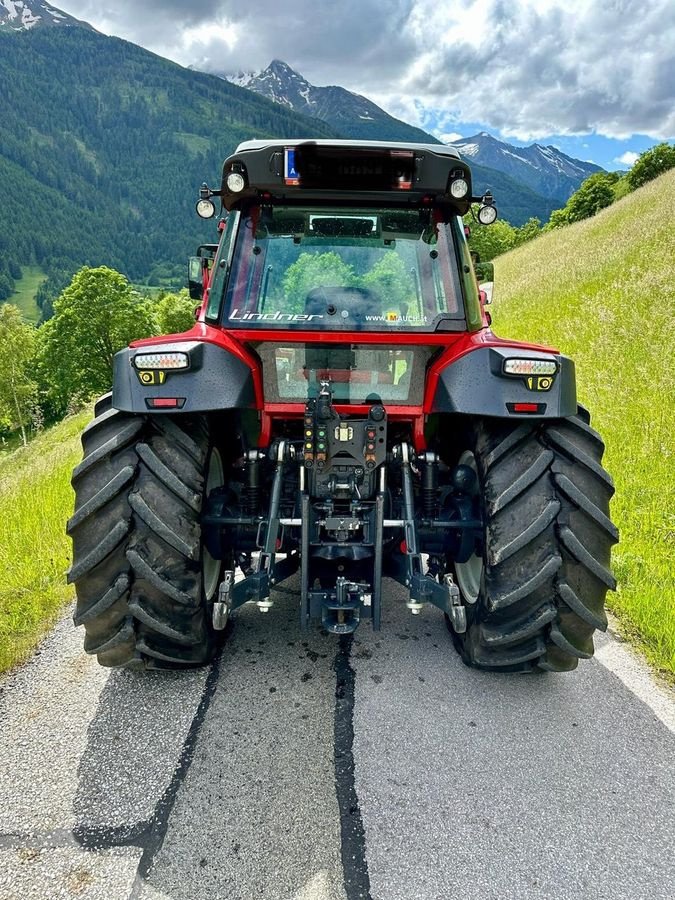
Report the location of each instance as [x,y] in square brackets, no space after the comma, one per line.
[603,292]
[36,500]
[26,289]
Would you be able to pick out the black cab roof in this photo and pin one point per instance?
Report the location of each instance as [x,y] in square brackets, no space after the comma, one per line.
[379,172]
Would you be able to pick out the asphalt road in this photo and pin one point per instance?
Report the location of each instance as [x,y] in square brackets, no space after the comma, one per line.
[308,768]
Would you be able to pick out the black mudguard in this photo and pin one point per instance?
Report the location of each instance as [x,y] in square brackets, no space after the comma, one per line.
[476,384]
[215,380]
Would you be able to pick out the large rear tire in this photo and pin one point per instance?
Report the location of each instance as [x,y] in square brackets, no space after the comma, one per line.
[139,567]
[539,594]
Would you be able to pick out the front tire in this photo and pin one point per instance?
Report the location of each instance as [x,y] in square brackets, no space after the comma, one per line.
[546,548]
[138,564]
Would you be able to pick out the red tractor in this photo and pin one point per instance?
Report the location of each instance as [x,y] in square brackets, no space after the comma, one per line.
[341,410]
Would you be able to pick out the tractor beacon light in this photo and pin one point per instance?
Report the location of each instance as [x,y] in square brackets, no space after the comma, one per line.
[529,367]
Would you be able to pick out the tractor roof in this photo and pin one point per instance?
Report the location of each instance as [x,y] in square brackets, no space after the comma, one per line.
[352,172]
[441,149]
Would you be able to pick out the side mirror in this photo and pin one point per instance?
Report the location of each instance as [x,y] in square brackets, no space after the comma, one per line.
[486,288]
[195,284]
[485,271]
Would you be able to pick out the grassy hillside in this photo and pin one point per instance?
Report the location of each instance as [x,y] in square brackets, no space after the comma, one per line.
[36,499]
[603,291]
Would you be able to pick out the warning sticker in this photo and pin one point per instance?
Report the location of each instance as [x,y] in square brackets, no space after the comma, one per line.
[151,376]
[539,382]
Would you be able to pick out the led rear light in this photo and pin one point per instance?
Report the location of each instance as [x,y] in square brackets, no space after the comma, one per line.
[162,361]
[529,367]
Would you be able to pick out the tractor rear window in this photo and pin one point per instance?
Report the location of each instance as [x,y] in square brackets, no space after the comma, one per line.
[343,269]
[358,373]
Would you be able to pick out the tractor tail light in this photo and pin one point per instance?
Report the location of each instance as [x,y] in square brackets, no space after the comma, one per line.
[531,408]
[162,361]
[165,402]
[530,367]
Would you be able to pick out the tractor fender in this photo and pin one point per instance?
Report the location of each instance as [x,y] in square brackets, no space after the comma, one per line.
[215,379]
[476,384]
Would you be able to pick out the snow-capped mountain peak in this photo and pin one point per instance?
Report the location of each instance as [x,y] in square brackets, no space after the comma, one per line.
[546,170]
[22,15]
[278,82]
[351,114]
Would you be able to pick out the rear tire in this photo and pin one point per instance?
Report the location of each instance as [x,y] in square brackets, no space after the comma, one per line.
[547,545]
[137,549]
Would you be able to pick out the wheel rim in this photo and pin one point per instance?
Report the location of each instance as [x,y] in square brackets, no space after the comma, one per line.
[210,566]
[469,573]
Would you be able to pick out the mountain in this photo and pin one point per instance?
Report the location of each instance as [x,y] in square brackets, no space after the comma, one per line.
[515,201]
[103,147]
[545,170]
[17,15]
[351,114]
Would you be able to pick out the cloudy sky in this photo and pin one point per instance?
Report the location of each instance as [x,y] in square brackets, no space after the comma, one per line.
[596,79]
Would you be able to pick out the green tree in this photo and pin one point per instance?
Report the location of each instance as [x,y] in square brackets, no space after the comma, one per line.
[6,286]
[491,240]
[312,270]
[18,386]
[95,316]
[528,231]
[557,220]
[594,194]
[651,164]
[174,312]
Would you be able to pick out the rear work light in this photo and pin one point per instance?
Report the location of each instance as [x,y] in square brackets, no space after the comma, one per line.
[162,361]
[459,188]
[236,182]
[530,367]
[236,178]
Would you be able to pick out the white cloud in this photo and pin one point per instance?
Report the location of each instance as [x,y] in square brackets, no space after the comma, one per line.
[525,68]
[448,137]
[627,158]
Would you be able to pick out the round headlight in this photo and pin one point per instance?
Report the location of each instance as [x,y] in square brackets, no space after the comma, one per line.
[487,215]
[236,182]
[459,188]
[206,209]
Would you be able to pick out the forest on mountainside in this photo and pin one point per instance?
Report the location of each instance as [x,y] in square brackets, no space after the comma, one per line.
[103,147]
